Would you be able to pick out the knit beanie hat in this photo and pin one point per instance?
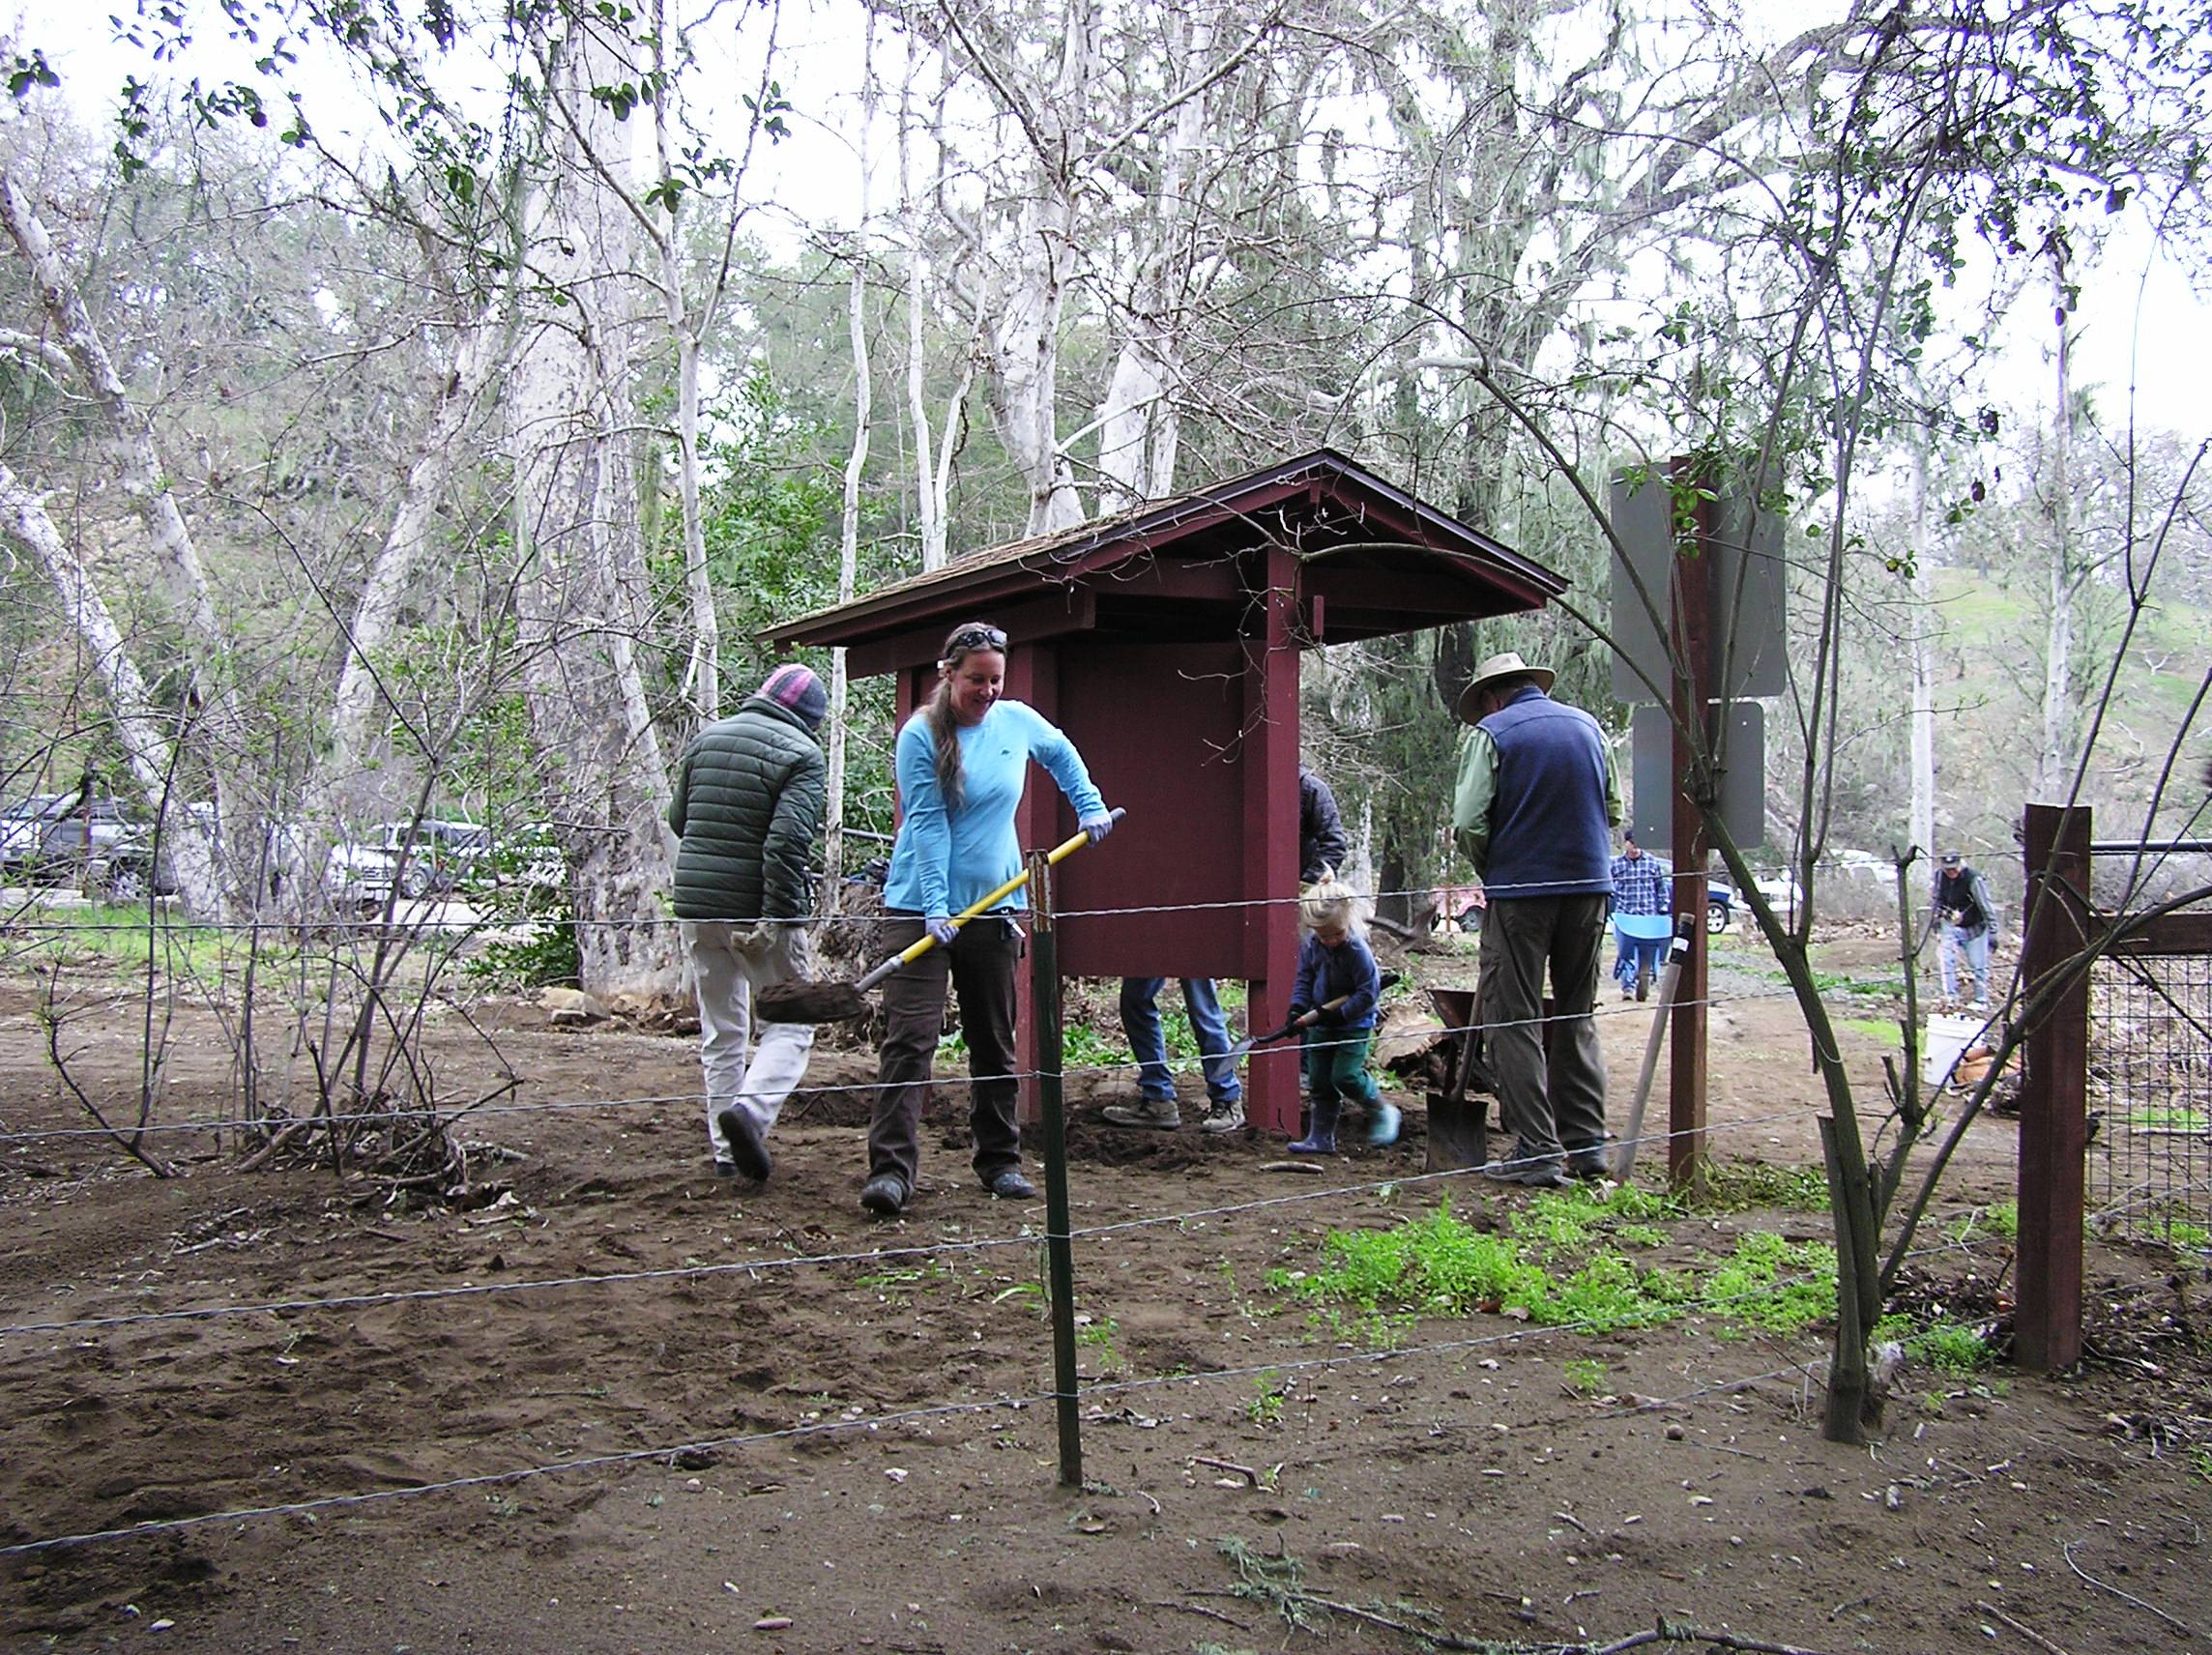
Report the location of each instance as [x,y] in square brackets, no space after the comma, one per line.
[797,688]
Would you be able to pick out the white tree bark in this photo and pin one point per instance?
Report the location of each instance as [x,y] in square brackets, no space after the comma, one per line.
[702,672]
[856,464]
[141,727]
[570,406]
[215,734]
[484,349]
[2053,774]
[1924,624]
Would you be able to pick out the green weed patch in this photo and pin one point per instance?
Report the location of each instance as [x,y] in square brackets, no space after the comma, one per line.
[1562,1264]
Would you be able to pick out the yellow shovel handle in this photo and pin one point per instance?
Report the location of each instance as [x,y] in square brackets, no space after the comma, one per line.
[916,949]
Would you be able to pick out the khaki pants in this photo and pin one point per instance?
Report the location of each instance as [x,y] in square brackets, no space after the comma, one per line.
[1558,1106]
[729,960]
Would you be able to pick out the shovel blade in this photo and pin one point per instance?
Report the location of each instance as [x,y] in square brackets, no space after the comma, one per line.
[1457,1134]
[810,1002]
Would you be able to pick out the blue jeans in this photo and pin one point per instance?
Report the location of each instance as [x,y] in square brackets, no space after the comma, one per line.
[1141,1023]
[1954,941]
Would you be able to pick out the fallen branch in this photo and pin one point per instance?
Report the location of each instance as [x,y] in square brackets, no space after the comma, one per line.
[2028,1632]
[2182,1627]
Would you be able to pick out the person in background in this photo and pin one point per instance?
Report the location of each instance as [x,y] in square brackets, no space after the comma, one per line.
[747,811]
[962,765]
[1335,964]
[1642,886]
[1534,812]
[1322,844]
[1968,916]
[1156,1105]
[1321,847]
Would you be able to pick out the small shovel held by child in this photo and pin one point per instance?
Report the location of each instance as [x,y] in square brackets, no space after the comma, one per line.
[1286,1031]
[836,1002]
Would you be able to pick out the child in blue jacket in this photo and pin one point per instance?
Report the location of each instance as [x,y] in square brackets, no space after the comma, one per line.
[1335,962]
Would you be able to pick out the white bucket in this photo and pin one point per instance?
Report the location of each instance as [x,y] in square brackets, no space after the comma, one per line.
[1944,1043]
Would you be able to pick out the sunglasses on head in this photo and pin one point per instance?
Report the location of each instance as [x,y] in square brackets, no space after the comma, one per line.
[975,637]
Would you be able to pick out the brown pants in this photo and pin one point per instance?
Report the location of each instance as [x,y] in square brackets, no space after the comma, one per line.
[980,964]
[1557,1103]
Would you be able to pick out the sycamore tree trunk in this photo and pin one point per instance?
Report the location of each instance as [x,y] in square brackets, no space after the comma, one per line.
[215,732]
[335,792]
[2054,762]
[1923,625]
[141,728]
[584,602]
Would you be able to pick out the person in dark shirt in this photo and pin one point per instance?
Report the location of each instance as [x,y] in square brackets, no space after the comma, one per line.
[1322,844]
[1335,964]
[1535,810]
[1969,917]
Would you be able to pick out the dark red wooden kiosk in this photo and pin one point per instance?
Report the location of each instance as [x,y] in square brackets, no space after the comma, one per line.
[1165,641]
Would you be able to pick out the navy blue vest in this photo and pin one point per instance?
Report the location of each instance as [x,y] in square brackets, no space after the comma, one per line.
[1548,831]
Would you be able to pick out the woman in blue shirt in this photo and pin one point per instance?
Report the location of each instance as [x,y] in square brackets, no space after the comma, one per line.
[962,764]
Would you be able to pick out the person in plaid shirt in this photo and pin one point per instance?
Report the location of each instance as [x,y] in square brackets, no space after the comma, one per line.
[1641,884]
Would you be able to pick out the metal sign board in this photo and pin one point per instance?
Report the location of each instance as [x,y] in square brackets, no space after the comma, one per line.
[1743,783]
[1746,591]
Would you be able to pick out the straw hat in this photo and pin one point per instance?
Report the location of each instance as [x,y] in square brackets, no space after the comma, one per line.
[1493,671]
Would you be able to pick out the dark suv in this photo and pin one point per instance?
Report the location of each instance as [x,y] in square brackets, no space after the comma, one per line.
[52,838]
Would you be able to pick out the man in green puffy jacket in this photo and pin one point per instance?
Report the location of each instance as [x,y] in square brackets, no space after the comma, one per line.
[748,806]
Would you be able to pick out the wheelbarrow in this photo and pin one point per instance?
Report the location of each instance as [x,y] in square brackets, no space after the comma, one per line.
[1650,930]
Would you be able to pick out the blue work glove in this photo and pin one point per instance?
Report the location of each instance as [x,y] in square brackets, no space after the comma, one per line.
[941,929]
[1097,826]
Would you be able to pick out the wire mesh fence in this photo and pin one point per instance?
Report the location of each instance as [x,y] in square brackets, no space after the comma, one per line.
[2149,1176]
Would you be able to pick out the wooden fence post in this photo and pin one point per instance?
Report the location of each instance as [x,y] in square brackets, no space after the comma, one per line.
[2054,1093]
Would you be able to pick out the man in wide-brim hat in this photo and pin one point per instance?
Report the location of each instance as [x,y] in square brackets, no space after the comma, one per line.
[1534,812]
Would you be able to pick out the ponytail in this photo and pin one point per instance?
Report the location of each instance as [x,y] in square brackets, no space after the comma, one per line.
[947,739]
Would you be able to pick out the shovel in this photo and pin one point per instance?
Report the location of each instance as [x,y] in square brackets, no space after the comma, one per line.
[1285,1032]
[835,1003]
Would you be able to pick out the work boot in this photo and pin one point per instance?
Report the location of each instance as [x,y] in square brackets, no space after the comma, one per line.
[1223,1114]
[1157,1111]
[1383,1122]
[884,1194]
[1594,1162]
[748,1148]
[1321,1134]
[1533,1169]
[1009,1184]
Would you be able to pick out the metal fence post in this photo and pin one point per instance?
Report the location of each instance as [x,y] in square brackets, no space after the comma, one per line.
[2054,1093]
[1059,1253]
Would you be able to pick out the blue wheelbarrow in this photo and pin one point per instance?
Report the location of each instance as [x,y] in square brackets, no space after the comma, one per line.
[1643,940]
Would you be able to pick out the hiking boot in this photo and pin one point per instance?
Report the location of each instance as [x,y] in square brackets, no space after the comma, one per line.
[725,1169]
[1383,1122]
[1594,1163]
[884,1194]
[1223,1114]
[1009,1184]
[1161,1113]
[1536,1172]
[748,1149]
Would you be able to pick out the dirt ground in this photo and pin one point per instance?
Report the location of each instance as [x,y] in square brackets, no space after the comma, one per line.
[771,1423]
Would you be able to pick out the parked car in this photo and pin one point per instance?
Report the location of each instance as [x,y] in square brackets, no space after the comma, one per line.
[24,824]
[1461,904]
[141,861]
[441,855]
[1720,906]
[61,838]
